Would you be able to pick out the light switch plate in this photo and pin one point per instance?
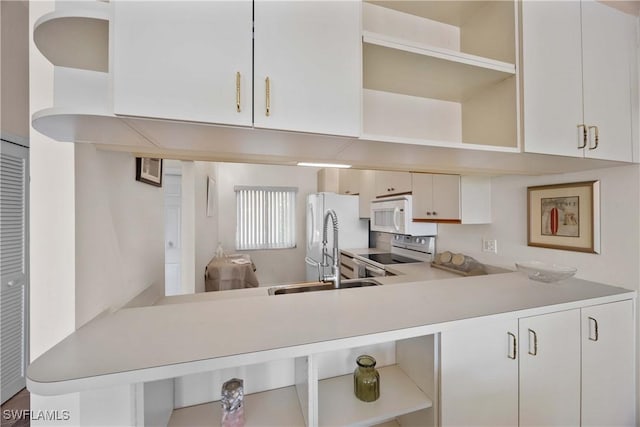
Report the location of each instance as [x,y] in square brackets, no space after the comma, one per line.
[490,246]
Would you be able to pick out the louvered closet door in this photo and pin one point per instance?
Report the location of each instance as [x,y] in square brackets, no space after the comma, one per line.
[13,267]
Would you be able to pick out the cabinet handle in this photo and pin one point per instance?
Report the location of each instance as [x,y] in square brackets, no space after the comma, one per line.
[238,109]
[596,137]
[434,213]
[584,135]
[513,352]
[429,213]
[535,343]
[595,329]
[267,86]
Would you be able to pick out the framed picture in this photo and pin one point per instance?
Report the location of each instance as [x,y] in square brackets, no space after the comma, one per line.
[564,216]
[149,171]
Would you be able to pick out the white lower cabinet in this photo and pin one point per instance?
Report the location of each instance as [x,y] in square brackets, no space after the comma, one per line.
[479,374]
[567,368]
[608,386]
[550,369]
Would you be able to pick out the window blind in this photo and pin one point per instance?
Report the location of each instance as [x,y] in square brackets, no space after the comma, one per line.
[265,217]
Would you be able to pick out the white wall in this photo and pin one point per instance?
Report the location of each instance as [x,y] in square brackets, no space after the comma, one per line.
[620,227]
[119,251]
[206,226]
[52,215]
[273,266]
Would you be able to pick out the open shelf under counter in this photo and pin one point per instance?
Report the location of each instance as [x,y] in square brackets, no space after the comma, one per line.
[407,67]
[278,407]
[76,36]
[399,395]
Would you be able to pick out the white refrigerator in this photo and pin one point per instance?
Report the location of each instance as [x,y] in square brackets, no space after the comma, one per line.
[353,232]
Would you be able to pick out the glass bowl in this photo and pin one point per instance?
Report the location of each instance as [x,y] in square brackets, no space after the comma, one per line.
[545,272]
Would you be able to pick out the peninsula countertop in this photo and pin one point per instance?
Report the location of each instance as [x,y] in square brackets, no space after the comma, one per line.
[148,343]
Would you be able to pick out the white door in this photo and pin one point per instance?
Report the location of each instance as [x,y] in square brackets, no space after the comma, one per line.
[14,196]
[310,52]
[172,184]
[550,369]
[608,386]
[422,190]
[610,74]
[552,77]
[479,375]
[184,60]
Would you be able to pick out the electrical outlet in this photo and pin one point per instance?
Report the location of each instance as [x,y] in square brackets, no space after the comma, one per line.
[490,246]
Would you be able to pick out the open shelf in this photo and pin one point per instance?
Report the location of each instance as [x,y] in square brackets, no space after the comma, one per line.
[410,68]
[449,12]
[278,407]
[399,395]
[76,37]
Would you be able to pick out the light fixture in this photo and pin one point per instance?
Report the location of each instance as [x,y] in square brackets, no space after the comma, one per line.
[324,165]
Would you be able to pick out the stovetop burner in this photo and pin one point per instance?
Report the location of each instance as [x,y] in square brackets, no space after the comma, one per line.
[389,258]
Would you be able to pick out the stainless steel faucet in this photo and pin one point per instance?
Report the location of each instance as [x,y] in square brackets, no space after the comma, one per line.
[335,258]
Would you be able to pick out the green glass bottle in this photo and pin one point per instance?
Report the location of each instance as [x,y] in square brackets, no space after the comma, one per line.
[366,379]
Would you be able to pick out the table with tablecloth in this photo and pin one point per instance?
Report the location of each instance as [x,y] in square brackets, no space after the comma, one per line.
[224,273]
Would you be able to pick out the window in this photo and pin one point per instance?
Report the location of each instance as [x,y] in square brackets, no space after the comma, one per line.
[266,217]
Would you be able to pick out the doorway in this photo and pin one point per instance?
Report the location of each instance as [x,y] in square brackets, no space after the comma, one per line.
[172,231]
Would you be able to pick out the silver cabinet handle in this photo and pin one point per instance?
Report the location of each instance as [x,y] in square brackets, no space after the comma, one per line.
[513,346]
[596,137]
[595,329]
[584,136]
[535,342]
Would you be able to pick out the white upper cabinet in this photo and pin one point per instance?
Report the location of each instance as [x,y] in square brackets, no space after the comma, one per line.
[451,198]
[388,183]
[580,79]
[610,81]
[184,61]
[307,65]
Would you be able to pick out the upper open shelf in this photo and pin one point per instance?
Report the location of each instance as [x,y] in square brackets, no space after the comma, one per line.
[76,37]
[410,68]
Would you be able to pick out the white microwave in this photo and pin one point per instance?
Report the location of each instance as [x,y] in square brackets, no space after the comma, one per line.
[395,215]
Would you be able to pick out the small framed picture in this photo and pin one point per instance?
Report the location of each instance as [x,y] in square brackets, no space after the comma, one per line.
[565,216]
[149,171]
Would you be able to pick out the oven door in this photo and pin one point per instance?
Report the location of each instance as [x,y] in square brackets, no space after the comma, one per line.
[364,269]
[388,216]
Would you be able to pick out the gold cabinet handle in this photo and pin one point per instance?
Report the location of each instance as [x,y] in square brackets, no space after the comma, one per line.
[513,352]
[596,137]
[238,109]
[267,88]
[595,329]
[535,343]
[584,136]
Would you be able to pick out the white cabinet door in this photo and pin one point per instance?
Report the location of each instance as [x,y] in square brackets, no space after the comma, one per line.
[184,60]
[422,190]
[552,77]
[436,197]
[310,52]
[550,369]
[608,391]
[479,375]
[446,197]
[388,183]
[610,71]
[349,182]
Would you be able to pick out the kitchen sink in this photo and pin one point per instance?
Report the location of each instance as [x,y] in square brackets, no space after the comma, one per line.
[321,286]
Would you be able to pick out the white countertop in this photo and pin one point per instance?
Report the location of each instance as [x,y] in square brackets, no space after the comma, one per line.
[163,341]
